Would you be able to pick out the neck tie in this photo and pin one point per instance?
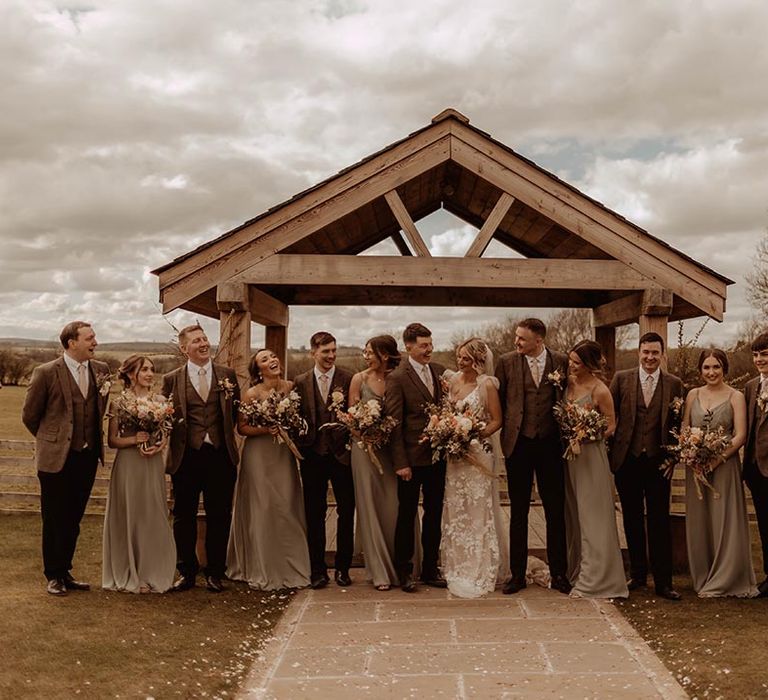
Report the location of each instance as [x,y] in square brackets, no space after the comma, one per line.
[82,380]
[324,382]
[535,371]
[648,389]
[203,388]
[426,377]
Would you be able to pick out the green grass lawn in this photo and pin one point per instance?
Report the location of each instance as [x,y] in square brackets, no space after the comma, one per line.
[101,644]
[715,647]
[11,401]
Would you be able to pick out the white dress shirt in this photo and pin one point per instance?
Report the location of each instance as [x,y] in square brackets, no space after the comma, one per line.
[193,371]
[427,381]
[72,366]
[328,374]
[644,378]
[541,360]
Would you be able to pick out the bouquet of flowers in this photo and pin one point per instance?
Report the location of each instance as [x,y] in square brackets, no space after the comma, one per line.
[697,449]
[579,423]
[366,420]
[453,429]
[152,414]
[277,411]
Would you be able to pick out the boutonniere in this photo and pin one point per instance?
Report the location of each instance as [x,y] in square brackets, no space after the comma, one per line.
[556,378]
[676,406]
[337,400]
[227,387]
[103,384]
[762,401]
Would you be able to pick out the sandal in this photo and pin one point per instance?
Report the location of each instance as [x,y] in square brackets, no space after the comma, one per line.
[383,587]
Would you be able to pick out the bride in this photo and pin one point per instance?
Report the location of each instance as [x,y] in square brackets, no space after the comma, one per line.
[474,547]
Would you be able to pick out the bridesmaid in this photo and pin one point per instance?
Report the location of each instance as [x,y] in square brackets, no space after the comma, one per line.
[268,539]
[717,529]
[375,494]
[595,566]
[139,554]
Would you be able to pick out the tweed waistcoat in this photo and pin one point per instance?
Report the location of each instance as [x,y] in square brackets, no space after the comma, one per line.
[538,419]
[203,417]
[322,444]
[85,416]
[646,437]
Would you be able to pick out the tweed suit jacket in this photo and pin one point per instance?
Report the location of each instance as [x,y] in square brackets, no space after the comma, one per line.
[756,446]
[405,399]
[47,411]
[510,371]
[624,387]
[175,388]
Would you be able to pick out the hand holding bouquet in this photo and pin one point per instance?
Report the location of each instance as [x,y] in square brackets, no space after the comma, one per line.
[279,412]
[452,430]
[152,414]
[700,450]
[368,425]
[579,423]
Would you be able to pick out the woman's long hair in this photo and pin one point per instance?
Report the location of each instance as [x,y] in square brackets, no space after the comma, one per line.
[591,356]
[131,365]
[385,349]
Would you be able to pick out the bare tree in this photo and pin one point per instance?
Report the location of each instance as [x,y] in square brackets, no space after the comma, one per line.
[757,280]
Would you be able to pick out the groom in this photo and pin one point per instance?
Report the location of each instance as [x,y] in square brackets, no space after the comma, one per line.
[415,383]
[530,441]
[63,409]
[202,457]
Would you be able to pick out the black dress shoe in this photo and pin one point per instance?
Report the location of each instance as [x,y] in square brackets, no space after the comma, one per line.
[213,584]
[56,587]
[342,578]
[434,579]
[634,583]
[183,583]
[73,585]
[762,589]
[318,581]
[562,584]
[407,583]
[514,585]
[668,592]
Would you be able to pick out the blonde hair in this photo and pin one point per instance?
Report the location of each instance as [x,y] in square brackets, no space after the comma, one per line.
[478,352]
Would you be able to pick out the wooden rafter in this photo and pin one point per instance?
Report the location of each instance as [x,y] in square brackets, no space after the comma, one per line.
[406,223]
[485,234]
[402,246]
[390,270]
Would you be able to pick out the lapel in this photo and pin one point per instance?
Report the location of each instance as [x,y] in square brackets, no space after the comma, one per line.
[750,394]
[310,392]
[416,379]
[215,387]
[634,380]
[63,373]
[666,390]
[180,390]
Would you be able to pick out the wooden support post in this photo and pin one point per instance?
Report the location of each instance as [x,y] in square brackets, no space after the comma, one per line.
[234,306]
[605,337]
[235,342]
[654,314]
[276,339]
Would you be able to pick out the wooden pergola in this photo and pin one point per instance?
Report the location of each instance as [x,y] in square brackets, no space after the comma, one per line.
[577,253]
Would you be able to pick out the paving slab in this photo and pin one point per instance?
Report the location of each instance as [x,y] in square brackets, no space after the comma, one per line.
[357,642]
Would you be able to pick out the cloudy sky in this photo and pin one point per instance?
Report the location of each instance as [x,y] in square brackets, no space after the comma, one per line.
[133,130]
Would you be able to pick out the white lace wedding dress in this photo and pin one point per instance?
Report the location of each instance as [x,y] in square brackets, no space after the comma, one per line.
[475,546]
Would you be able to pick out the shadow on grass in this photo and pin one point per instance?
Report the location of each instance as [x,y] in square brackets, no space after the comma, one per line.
[715,647]
[102,644]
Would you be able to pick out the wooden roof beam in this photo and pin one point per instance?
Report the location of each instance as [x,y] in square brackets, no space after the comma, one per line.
[237,295]
[654,301]
[406,224]
[392,270]
[485,234]
[402,246]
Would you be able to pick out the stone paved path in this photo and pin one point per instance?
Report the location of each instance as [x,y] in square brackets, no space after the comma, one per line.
[360,643]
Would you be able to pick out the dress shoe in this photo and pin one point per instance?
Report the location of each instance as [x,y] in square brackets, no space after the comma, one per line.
[318,581]
[560,583]
[434,579]
[407,583]
[183,583]
[514,585]
[342,578]
[213,584]
[634,583]
[668,592]
[73,585]
[762,589]
[56,587]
